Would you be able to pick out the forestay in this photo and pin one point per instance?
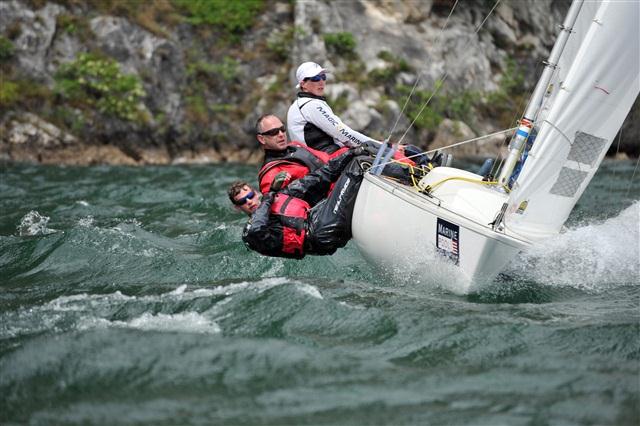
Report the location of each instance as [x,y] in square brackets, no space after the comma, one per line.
[597,82]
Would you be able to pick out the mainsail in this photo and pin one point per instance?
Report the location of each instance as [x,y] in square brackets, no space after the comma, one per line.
[597,81]
[579,31]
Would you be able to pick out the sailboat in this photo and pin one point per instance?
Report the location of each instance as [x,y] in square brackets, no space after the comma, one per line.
[455,223]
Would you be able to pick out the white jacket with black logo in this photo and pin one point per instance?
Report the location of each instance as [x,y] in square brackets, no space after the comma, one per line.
[311,120]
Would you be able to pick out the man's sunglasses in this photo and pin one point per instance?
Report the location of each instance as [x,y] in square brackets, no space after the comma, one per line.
[273,132]
[317,78]
[242,201]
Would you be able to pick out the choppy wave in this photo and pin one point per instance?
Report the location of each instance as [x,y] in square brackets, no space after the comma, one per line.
[592,257]
[145,307]
[33,223]
[186,309]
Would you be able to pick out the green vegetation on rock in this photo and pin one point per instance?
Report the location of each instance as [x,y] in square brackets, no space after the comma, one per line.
[23,93]
[9,94]
[7,50]
[389,73]
[458,106]
[227,69]
[232,16]
[343,44]
[506,103]
[92,80]
[280,42]
[74,25]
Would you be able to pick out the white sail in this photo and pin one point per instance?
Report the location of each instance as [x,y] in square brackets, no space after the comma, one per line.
[597,87]
[579,31]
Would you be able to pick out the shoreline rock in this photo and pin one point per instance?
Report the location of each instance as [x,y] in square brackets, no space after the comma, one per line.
[204,87]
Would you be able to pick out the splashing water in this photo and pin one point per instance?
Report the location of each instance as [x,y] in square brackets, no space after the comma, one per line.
[33,223]
[592,257]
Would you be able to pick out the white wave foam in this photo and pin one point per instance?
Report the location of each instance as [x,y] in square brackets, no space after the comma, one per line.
[33,223]
[86,306]
[86,222]
[191,322]
[179,290]
[80,302]
[427,270]
[259,286]
[591,257]
[90,311]
[309,289]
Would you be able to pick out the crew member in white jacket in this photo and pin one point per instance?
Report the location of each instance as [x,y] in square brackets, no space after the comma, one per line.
[311,120]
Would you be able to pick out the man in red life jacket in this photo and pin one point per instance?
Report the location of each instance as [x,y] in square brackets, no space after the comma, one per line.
[294,158]
[297,160]
[300,219]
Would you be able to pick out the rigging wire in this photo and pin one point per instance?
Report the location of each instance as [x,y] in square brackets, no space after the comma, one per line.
[415,84]
[468,141]
[632,176]
[440,82]
[617,152]
[452,145]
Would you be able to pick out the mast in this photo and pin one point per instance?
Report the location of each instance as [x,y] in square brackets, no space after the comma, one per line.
[526,123]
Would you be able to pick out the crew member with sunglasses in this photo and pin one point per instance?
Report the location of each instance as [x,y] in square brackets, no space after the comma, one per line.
[243,197]
[280,155]
[300,219]
[311,120]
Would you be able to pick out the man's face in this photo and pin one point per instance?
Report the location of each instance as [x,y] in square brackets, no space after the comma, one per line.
[247,200]
[271,137]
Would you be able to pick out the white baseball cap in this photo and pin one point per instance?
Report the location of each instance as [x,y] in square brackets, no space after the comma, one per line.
[306,70]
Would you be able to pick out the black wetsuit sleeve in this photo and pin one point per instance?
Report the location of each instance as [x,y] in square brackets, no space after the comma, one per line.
[314,186]
[259,235]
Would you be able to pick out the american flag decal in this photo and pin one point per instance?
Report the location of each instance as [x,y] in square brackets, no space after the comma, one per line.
[447,240]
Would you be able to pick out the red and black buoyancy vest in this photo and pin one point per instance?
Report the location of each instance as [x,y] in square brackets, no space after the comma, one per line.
[292,213]
[292,155]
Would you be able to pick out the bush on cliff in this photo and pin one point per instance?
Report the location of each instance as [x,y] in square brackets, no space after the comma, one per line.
[233,16]
[93,81]
[7,50]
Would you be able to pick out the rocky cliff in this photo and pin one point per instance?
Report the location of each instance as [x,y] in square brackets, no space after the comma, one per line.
[173,81]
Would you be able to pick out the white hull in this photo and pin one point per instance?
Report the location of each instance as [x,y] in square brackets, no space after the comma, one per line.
[446,238]
[589,85]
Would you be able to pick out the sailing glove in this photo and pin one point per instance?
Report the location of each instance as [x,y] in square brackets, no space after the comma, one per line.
[371,147]
[366,148]
[280,181]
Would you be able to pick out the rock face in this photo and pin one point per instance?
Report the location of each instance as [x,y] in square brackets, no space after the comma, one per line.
[204,92]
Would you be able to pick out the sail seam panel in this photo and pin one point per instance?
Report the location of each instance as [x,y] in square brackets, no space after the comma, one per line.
[568,182]
[586,148]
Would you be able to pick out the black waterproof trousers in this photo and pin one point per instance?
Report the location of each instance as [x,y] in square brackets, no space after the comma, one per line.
[329,221]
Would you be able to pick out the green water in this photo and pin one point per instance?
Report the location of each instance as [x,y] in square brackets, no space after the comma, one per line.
[126,297]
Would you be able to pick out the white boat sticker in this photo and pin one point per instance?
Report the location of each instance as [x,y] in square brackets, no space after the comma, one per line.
[447,239]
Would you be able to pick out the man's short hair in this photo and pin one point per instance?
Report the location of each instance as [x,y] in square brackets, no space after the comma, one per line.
[235,188]
[259,128]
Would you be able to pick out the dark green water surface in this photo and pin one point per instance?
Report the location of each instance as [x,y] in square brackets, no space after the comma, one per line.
[126,297]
